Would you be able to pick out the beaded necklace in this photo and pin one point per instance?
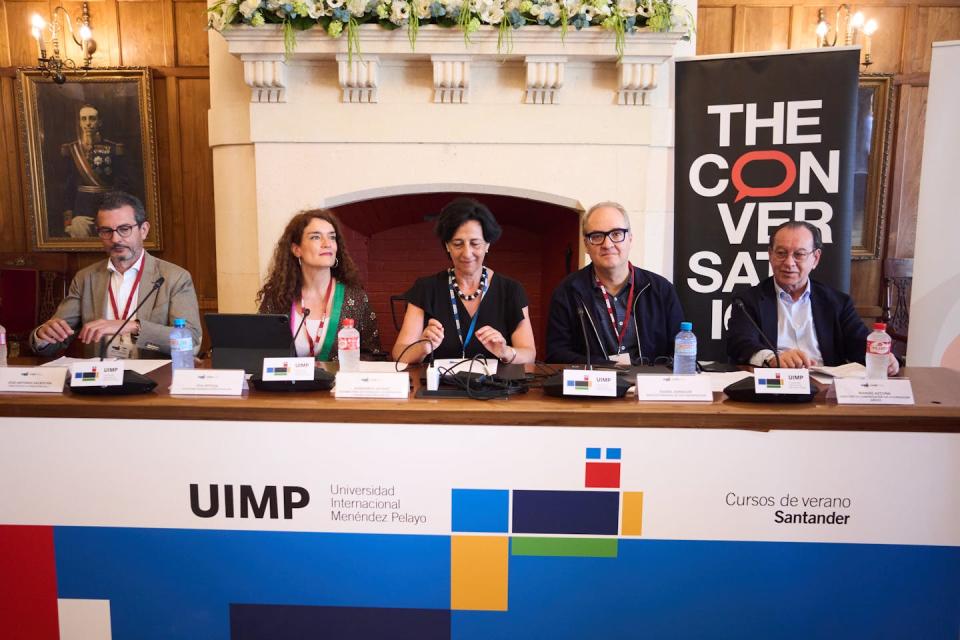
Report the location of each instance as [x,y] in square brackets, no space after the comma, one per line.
[476,294]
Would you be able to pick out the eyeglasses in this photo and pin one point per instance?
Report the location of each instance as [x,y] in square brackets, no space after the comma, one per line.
[615,235]
[799,256]
[123,231]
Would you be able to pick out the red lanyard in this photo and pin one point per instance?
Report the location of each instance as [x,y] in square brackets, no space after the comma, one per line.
[113,301]
[323,319]
[613,316]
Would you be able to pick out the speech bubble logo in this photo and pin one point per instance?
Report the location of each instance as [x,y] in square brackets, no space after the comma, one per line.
[744,190]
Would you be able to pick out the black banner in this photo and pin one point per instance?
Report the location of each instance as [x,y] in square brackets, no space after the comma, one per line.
[760,140]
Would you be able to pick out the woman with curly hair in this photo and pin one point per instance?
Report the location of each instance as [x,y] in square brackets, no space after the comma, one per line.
[311,269]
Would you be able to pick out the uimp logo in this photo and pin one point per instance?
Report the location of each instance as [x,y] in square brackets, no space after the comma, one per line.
[775,382]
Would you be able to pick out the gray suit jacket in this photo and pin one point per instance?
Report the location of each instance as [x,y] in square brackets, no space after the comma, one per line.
[87,299]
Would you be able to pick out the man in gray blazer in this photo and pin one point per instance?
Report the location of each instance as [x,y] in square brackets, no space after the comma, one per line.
[102,295]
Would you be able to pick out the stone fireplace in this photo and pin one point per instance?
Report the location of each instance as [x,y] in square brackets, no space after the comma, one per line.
[539,131]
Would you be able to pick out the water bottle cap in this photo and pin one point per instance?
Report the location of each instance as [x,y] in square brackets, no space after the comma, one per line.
[347,322]
[179,323]
[686,326]
[879,326]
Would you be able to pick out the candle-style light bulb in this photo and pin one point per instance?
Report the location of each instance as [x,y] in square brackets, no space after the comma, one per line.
[870,28]
[37,22]
[857,20]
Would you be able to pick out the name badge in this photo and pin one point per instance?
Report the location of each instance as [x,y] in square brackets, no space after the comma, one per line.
[119,350]
[96,374]
[781,381]
[207,382]
[656,388]
[287,369]
[455,365]
[579,382]
[865,391]
[32,379]
[622,359]
[359,384]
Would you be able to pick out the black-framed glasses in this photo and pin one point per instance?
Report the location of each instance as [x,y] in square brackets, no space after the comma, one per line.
[615,235]
[123,231]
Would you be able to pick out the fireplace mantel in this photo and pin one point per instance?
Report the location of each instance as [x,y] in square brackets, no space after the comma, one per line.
[542,51]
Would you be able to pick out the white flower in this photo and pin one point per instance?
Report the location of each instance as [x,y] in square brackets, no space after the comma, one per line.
[627,7]
[535,10]
[357,7]
[273,5]
[492,12]
[423,8]
[400,12]
[511,5]
[314,9]
[215,21]
[249,7]
[334,4]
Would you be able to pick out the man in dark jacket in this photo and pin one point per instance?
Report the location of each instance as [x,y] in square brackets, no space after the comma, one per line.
[810,323]
[625,314]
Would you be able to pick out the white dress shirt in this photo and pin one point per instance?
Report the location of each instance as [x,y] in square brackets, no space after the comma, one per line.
[795,329]
[122,285]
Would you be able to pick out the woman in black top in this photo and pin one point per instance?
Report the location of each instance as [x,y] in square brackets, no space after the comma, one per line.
[466,310]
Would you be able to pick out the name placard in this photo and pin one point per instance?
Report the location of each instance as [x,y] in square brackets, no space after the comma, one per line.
[864,391]
[288,369]
[207,382]
[96,374]
[32,379]
[359,384]
[781,381]
[657,388]
[580,382]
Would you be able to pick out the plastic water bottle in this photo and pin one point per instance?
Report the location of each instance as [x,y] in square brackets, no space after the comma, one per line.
[181,345]
[348,346]
[878,352]
[3,346]
[685,350]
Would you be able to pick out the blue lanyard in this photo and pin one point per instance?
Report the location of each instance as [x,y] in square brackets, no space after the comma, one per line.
[456,313]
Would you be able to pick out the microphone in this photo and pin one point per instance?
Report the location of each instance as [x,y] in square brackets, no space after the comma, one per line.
[738,303]
[153,290]
[293,341]
[586,341]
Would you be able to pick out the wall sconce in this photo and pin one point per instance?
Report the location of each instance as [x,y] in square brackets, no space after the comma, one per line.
[55,66]
[853,23]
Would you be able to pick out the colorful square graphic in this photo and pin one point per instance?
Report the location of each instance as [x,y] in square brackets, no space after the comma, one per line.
[478,572]
[631,523]
[480,510]
[593,453]
[603,475]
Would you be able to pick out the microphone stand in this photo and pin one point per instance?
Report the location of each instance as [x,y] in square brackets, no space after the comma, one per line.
[586,340]
[293,341]
[153,290]
[738,303]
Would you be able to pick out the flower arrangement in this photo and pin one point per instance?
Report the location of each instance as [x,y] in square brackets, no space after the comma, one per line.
[338,16]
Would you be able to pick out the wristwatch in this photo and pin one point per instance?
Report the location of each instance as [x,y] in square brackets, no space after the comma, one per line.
[135,334]
[512,358]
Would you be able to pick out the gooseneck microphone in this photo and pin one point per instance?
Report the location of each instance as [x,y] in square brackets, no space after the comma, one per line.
[153,291]
[293,341]
[738,303]
[586,340]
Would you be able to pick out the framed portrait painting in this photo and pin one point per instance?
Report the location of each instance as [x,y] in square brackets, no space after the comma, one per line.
[83,138]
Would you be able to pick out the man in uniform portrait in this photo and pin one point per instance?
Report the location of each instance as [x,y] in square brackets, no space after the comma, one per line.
[93,166]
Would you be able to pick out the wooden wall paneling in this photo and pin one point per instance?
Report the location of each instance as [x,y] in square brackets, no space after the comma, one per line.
[933,24]
[197,184]
[13,212]
[765,28]
[141,33]
[888,42]
[865,288]
[4,40]
[715,30]
[23,48]
[191,33]
[905,186]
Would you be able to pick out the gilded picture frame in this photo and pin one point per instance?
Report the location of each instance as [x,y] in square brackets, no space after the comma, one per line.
[872,166]
[90,135]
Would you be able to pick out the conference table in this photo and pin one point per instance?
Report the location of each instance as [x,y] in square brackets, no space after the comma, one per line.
[291,515]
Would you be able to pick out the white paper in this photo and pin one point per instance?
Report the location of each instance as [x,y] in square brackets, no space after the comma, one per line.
[590,383]
[679,388]
[720,381]
[288,369]
[864,391]
[357,384]
[142,367]
[208,382]
[781,381]
[849,370]
[32,379]
[108,373]
[371,366]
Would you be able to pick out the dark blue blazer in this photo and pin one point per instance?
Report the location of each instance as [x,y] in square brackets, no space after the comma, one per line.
[841,334]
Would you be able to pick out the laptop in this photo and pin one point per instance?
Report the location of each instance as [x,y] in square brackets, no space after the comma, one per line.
[243,340]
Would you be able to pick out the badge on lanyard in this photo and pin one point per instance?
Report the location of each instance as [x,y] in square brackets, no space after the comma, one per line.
[120,349]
